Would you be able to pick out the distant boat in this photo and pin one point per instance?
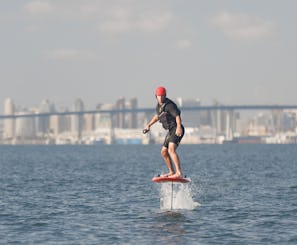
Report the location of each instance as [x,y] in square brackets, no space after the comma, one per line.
[99,141]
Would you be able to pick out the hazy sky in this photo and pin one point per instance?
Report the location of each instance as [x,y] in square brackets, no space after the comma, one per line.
[234,51]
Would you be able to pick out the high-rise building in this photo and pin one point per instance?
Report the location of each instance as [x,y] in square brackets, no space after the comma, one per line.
[25,128]
[191,118]
[120,117]
[89,122]
[55,124]
[64,122]
[77,121]
[104,120]
[131,118]
[43,122]
[9,124]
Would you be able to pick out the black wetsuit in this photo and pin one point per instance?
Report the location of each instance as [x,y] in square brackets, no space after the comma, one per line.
[167,113]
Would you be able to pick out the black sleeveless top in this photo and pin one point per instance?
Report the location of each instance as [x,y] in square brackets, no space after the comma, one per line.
[167,113]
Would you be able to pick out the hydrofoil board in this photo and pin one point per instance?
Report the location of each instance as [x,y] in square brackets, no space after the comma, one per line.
[160,179]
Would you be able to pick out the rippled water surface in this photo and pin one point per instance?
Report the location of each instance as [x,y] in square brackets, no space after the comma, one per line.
[104,195]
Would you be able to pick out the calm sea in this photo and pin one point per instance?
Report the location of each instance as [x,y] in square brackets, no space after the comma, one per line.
[239,194]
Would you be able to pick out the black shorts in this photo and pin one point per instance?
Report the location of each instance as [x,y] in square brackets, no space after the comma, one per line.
[172,137]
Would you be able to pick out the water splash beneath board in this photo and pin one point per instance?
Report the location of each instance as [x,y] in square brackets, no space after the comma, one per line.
[176,196]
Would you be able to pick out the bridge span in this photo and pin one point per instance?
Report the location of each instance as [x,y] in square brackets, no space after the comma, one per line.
[152,110]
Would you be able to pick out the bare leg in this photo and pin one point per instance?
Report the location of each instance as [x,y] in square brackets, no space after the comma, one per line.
[175,158]
[167,160]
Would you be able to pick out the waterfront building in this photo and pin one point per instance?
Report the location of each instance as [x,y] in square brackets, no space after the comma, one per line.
[43,122]
[103,120]
[25,127]
[9,123]
[131,118]
[119,120]
[77,121]
[89,123]
[191,119]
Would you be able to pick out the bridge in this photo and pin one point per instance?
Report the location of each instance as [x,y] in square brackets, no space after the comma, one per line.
[152,110]
[224,117]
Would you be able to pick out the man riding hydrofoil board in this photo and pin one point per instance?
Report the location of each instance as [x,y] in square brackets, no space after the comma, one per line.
[169,115]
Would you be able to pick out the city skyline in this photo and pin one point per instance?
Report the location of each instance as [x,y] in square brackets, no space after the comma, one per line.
[120,123]
[234,52]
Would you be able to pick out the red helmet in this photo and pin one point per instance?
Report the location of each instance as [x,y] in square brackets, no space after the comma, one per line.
[160,91]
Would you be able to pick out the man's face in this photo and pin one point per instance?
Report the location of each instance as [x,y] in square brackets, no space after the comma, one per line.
[161,99]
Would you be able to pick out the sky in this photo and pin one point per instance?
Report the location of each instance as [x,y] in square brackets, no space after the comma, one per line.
[230,51]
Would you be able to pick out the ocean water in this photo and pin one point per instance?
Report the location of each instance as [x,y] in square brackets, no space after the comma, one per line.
[239,194]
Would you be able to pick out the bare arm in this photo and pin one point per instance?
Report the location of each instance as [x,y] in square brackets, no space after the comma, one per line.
[153,121]
[178,131]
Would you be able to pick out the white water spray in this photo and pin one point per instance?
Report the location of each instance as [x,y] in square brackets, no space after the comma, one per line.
[176,196]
